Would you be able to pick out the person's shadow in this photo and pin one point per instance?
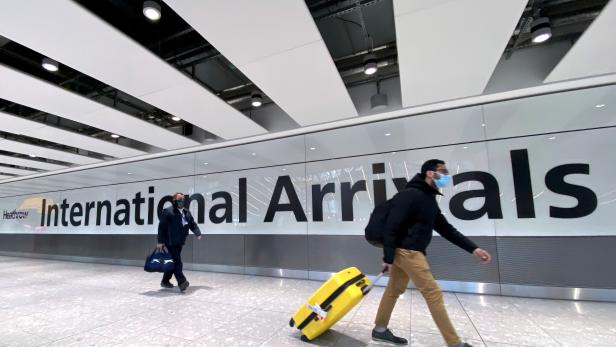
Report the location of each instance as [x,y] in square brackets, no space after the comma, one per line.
[167,292]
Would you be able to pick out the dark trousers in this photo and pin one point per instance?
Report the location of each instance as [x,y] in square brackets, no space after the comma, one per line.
[176,254]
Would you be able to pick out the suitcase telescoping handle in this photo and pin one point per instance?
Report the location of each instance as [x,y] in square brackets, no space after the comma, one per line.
[369,288]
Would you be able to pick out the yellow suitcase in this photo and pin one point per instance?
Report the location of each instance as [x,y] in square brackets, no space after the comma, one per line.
[337,296]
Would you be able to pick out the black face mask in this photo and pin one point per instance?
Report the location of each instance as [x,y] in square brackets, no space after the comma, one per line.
[178,204]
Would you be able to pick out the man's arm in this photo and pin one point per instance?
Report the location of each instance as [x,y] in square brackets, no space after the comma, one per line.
[399,213]
[442,226]
[162,228]
[191,224]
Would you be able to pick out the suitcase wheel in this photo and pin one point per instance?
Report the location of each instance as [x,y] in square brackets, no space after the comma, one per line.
[304,338]
[291,323]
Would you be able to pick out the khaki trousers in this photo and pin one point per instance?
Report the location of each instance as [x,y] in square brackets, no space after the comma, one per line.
[412,265]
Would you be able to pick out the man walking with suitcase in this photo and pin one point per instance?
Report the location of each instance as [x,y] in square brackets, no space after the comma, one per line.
[172,232]
[413,214]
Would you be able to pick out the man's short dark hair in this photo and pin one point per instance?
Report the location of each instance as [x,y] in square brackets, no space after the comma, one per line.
[430,165]
[175,195]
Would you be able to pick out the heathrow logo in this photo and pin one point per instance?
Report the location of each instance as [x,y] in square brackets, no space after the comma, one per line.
[15,214]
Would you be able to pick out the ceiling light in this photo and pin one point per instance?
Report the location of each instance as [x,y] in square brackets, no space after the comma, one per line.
[465,147]
[540,30]
[312,148]
[387,134]
[205,163]
[32,155]
[151,10]
[253,154]
[370,66]
[256,100]
[599,105]
[115,136]
[552,138]
[50,64]
[129,173]
[176,118]
[483,124]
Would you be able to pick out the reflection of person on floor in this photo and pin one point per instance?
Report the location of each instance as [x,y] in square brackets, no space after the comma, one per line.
[172,232]
[413,215]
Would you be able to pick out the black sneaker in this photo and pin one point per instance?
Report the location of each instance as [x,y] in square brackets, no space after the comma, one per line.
[184,285]
[388,336]
[166,284]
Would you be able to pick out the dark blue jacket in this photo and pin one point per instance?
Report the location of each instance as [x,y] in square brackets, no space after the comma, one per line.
[171,232]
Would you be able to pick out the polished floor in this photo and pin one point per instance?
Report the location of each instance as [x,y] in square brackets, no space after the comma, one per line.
[52,303]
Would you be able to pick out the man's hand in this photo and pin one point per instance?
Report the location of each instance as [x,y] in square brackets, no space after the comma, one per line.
[199,237]
[386,267]
[160,246]
[483,255]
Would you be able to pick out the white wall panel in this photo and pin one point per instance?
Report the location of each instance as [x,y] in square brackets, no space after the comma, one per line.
[434,129]
[35,164]
[115,59]
[435,64]
[24,148]
[284,56]
[18,125]
[551,113]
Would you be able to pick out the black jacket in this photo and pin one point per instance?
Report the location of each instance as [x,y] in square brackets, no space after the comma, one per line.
[413,215]
[171,232]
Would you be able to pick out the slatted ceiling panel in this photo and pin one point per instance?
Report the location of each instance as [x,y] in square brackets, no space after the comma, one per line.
[594,53]
[3,177]
[15,171]
[88,44]
[35,164]
[449,49]
[277,45]
[18,125]
[43,152]
[27,90]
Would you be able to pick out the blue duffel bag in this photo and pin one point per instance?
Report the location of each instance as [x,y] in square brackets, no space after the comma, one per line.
[159,261]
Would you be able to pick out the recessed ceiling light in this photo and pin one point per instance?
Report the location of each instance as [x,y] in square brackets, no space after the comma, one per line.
[32,155]
[253,153]
[465,147]
[599,105]
[115,136]
[256,100]
[312,148]
[50,64]
[370,65]
[284,169]
[205,163]
[152,10]
[129,173]
[552,138]
[483,124]
[540,30]
[176,118]
[387,134]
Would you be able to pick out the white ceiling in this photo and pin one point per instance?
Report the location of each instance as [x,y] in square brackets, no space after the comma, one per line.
[449,49]
[10,160]
[594,53]
[44,152]
[18,125]
[15,171]
[90,45]
[277,45]
[41,95]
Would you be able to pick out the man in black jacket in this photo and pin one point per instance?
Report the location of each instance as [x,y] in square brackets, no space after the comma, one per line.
[173,226]
[413,215]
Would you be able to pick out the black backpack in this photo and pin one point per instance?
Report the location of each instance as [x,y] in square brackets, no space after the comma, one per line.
[375,230]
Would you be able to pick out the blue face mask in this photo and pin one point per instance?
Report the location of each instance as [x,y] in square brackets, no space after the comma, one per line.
[442,181]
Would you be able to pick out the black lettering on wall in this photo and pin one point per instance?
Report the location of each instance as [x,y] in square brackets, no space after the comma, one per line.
[379,185]
[227,206]
[200,205]
[400,183]
[122,215]
[587,199]
[137,201]
[294,205]
[64,206]
[243,200]
[490,193]
[99,208]
[150,206]
[89,206]
[522,184]
[43,212]
[318,194]
[52,208]
[76,212]
[347,193]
